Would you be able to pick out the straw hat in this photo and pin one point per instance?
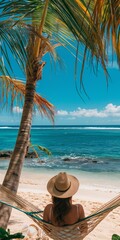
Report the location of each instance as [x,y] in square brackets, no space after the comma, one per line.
[63,185]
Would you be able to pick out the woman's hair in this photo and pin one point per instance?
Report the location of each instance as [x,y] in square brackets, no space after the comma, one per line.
[61,206]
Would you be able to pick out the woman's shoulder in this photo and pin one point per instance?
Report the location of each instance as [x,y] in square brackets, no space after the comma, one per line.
[80,210]
[78,205]
[48,206]
[46,212]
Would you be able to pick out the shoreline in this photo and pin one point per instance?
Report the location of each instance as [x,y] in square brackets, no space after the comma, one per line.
[107,184]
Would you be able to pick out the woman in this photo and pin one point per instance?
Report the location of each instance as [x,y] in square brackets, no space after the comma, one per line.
[62,211]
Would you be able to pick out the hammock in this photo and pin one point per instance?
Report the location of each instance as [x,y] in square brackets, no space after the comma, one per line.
[77,231]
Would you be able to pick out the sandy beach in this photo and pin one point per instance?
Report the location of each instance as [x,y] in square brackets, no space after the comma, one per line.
[93,192]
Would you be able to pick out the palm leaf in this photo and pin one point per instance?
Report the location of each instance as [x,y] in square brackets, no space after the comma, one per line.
[14,90]
[69,16]
[44,149]
[14,38]
[107,13]
[41,148]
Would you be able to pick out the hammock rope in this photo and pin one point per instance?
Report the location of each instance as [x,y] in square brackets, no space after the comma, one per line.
[77,231]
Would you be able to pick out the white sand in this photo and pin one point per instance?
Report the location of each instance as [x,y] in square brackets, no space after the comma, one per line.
[95,189]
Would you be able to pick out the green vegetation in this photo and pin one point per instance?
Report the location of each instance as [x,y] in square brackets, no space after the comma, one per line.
[41,148]
[115,237]
[5,235]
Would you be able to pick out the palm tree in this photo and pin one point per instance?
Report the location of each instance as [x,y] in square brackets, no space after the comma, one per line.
[34,28]
[15,90]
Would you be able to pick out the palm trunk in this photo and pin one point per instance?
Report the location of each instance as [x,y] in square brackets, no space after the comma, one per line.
[12,177]
[33,72]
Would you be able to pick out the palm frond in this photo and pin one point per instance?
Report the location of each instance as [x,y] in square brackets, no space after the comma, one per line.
[15,39]
[63,18]
[13,90]
[88,22]
[107,16]
[41,148]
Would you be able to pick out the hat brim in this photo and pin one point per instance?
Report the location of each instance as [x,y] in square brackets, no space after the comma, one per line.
[70,192]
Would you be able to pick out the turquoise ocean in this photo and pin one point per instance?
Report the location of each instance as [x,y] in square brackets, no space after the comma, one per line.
[82,148]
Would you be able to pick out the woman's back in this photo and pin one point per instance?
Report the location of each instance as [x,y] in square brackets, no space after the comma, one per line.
[75,213]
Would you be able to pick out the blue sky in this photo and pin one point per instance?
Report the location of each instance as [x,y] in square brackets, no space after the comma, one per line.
[58,87]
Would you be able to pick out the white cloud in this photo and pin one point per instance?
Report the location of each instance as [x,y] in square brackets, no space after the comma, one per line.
[17,109]
[110,110]
[87,113]
[62,113]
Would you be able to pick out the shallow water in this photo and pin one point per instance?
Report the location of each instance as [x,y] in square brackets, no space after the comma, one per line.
[85,148]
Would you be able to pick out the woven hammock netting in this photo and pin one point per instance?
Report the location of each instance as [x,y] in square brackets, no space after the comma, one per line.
[77,231]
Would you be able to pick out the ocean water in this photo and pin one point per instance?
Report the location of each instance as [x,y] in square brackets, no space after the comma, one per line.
[85,148]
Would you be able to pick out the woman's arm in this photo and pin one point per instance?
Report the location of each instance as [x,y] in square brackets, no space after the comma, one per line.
[46,213]
[84,224]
